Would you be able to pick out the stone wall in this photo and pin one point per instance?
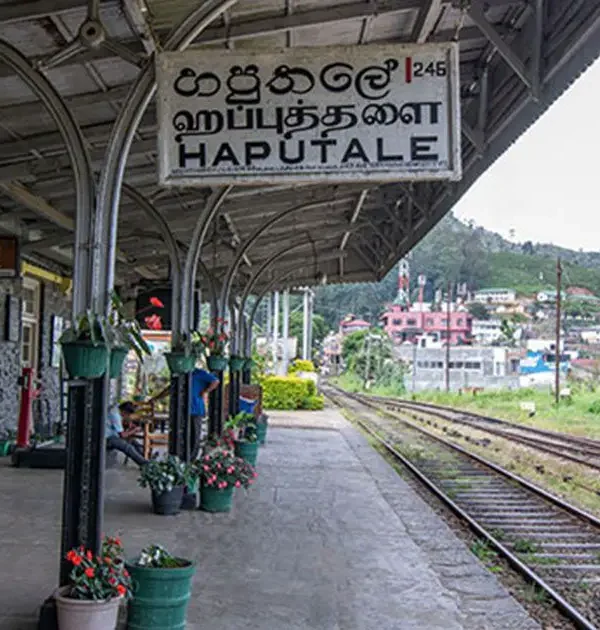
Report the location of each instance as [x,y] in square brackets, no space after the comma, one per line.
[53,303]
[10,363]
[46,410]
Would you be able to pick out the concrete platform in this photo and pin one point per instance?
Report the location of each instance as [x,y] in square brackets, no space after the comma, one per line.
[331,538]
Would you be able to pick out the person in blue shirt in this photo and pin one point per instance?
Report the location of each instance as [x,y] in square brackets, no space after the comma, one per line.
[116,436]
[202,383]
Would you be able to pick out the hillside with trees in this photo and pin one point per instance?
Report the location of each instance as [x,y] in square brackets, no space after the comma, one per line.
[458,252]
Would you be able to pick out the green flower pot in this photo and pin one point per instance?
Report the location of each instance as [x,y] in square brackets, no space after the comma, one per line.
[261,432]
[248,451]
[117,358]
[248,364]
[217,363]
[180,363]
[84,359]
[215,500]
[160,597]
[237,363]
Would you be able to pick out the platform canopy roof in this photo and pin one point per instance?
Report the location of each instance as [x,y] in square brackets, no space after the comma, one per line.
[516,58]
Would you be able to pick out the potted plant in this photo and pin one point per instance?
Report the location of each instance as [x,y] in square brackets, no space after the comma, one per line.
[97,585]
[85,346]
[166,478]
[128,333]
[220,472]
[163,585]
[236,363]
[245,434]
[181,359]
[214,341]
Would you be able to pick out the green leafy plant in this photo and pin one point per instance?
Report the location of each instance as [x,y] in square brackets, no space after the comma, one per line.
[524,545]
[214,341]
[286,392]
[242,426]
[219,468]
[127,331]
[88,327]
[100,577]
[162,475]
[157,557]
[301,365]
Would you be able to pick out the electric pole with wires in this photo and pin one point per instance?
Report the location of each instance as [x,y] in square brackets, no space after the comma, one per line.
[558,318]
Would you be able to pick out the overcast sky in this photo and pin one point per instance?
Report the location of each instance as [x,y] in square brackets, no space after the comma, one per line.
[547,185]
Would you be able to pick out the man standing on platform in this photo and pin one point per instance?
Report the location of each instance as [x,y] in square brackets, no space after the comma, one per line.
[202,383]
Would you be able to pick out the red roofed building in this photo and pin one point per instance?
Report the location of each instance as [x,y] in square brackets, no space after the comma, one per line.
[351,324]
[579,291]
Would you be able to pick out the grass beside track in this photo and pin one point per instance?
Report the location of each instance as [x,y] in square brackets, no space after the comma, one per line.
[579,415]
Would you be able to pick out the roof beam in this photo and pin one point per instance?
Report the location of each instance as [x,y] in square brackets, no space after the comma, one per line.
[477,14]
[426,20]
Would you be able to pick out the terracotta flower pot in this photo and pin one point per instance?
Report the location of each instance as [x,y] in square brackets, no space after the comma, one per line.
[82,614]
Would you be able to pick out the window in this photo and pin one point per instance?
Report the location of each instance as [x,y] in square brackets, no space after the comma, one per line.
[411,322]
[397,322]
[445,321]
[459,321]
[30,296]
[429,322]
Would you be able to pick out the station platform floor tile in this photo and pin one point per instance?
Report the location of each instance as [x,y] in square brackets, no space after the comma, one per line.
[330,538]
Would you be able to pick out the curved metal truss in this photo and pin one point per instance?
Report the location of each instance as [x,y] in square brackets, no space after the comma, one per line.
[517,57]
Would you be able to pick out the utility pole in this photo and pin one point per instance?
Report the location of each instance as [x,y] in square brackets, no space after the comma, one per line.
[305,324]
[275,332]
[448,306]
[557,349]
[285,359]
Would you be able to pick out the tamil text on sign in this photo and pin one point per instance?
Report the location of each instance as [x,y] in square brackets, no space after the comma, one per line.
[371,113]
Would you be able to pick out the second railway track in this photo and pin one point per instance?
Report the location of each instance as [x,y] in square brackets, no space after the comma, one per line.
[552,543]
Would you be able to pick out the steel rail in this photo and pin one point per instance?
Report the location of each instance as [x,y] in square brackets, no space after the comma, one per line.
[567,609]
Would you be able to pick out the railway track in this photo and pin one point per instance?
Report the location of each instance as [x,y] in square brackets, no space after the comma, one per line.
[553,544]
[583,451]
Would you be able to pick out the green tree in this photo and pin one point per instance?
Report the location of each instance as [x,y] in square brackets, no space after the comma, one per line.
[508,330]
[319,328]
[479,310]
[352,345]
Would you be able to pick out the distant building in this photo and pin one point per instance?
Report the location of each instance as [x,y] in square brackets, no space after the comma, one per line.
[544,297]
[351,324]
[495,296]
[590,335]
[407,325]
[470,366]
[579,292]
[538,369]
[486,331]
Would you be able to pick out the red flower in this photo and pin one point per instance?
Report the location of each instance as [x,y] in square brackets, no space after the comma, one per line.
[75,559]
[89,555]
[156,302]
[153,322]
[121,589]
[89,572]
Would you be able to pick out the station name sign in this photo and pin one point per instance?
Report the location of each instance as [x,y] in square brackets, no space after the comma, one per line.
[362,113]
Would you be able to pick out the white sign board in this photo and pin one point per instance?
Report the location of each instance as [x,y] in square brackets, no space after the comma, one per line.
[361,113]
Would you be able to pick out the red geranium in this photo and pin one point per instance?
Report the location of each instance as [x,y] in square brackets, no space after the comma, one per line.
[153,322]
[156,302]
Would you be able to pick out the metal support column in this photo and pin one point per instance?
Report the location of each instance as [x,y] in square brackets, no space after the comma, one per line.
[247,373]
[215,398]
[269,330]
[275,329]
[305,327]
[311,303]
[285,360]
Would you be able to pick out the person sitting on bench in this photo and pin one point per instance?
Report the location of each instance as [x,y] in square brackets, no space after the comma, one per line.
[117,437]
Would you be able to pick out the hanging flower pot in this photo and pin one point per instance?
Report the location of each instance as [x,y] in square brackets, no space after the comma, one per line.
[217,363]
[117,358]
[236,363]
[180,362]
[248,364]
[85,359]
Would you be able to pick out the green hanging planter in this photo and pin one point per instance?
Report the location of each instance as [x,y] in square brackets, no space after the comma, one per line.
[84,359]
[180,362]
[215,500]
[236,363]
[261,432]
[160,597]
[248,364]
[217,363]
[117,358]
[247,451]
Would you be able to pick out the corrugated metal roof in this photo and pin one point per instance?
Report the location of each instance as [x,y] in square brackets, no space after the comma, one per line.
[96,82]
